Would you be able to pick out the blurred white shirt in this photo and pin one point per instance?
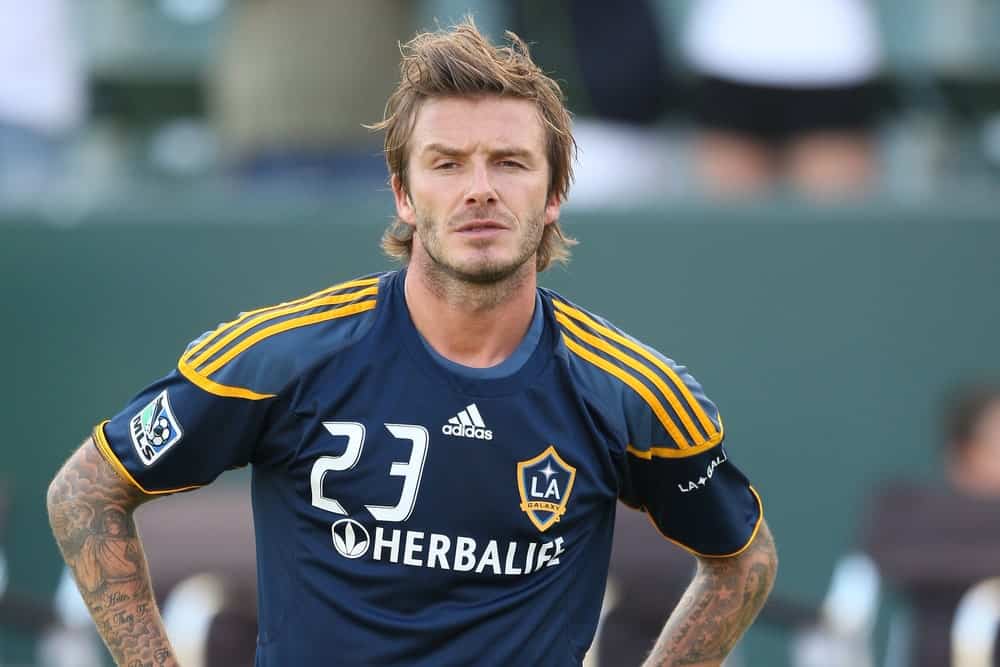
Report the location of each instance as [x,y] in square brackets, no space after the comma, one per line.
[41,74]
[784,42]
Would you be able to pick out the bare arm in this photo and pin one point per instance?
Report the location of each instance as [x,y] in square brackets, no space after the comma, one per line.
[717,608]
[90,509]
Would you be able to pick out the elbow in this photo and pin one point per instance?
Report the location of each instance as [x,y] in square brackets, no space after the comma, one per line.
[764,543]
[772,564]
[72,479]
[65,489]
[56,497]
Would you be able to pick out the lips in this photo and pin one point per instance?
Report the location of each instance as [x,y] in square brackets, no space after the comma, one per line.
[480,225]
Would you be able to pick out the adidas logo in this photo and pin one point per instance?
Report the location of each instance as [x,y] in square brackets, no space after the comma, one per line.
[468,424]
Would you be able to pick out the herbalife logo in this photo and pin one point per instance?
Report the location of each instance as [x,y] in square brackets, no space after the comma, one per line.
[468,424]
[350,538]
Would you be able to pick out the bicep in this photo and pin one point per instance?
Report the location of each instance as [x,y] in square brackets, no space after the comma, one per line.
[85,486]
[743,581]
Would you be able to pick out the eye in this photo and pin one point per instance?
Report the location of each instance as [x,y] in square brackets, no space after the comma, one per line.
[446,166]
[511,164]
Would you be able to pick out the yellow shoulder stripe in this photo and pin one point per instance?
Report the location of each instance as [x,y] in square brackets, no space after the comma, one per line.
[213,387]
[635,384]
[670,452]
[305,320]
[250,323]
[604,346]
[364,282]
[109,455]
[696,408]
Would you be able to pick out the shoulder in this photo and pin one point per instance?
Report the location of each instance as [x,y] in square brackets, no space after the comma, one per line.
[255,355]
[665,408]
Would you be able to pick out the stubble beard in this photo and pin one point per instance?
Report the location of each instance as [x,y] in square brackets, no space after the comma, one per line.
[486,283]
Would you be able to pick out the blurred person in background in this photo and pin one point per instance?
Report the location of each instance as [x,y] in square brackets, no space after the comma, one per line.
[42,96]
[619,103]
[295,82]
[786,93]
[933,542]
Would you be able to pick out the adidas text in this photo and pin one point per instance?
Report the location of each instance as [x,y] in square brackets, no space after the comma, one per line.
[467,431]
[468,423]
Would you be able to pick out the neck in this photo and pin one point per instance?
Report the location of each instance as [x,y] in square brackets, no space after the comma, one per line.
[476,325]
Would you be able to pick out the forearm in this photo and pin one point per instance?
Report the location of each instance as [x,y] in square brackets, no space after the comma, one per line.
[90,509]
[718,606]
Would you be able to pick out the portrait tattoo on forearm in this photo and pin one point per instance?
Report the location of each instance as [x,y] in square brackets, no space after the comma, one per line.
[718,607]
[90,509]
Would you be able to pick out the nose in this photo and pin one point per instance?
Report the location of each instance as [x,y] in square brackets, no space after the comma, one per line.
[480,189]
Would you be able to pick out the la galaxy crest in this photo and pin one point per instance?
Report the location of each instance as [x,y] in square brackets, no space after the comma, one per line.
[545,483]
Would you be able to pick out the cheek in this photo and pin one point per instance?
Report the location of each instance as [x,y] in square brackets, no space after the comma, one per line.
[528,208]
[991,457]
[437,198]
[986,459]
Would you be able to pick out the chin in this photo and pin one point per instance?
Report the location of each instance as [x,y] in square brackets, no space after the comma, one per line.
[486,275]
[485,271]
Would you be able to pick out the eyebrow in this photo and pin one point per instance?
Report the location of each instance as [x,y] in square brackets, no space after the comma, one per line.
[445,149]
[442,149]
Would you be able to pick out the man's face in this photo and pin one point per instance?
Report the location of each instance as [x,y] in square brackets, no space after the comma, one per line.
[984,450]
[977,469]
[477,186]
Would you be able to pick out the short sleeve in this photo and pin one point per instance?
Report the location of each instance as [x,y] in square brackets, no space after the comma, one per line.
[212,412]
[183,431]
[679,471]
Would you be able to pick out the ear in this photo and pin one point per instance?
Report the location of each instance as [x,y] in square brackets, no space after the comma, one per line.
[404,205]
[552,209]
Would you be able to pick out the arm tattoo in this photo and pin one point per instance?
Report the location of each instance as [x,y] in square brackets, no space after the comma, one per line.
[719,605]
[90,509]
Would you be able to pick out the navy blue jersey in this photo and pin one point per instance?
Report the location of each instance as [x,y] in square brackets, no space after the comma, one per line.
[408,513]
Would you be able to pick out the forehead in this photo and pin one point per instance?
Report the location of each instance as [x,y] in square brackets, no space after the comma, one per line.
[478,122]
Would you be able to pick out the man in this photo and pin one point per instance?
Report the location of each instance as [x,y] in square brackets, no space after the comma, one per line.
[437,451]
[933,542]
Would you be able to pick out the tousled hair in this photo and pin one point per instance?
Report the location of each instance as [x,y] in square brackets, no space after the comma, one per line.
[461,62]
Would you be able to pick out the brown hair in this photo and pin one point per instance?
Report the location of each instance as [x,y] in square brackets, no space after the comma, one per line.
[462,62]
[964,410]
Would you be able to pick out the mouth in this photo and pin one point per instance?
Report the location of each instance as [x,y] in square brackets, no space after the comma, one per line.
[480,225]
[481,228]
